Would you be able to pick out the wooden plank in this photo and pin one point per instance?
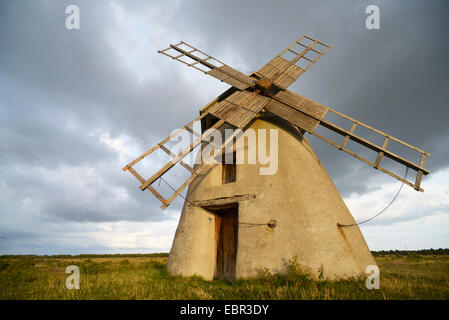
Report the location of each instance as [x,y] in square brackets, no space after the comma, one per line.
[300,103]
[318,115]
[185,165]
[420,173]
[276,69]
[319,56]
[345,141]
[223,200]
[186,151]
[373,146]
[380,132]
[239,115]
[221,71]
[151,189]
[132,163]
[190,179]
[227,243]
[297,118]
[368,162]
[381,153]
[178,192]
[193,132]
[301,55]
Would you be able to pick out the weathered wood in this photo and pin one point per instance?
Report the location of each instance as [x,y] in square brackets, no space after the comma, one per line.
[147,153]
[296,102]
[151,189]
[420,173]
[381,153]
[283,72]
[220,71]
[185,152]
[239,108]
[302,104]
[379,132]
[297,118]
[372,146]
[185,165]
[216,202]
[368,162]
[178,192]
[227,235]
[346,139]
[318,111]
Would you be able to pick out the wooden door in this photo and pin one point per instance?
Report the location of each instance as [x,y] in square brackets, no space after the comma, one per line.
[226,229]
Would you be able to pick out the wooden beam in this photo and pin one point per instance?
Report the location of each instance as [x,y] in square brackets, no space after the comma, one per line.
[190,179]
[178,158]
[381,153]
[369,162]
[178,192]
[223,200]
[296,102]
[185,165]
[132,163]
[346,139]
[379,132]
[419,175]
[373,146]
[151,189]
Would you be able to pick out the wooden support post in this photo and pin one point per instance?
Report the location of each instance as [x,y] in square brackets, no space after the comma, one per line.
[185,165]
[162,142]
[381,153]
[345,141]
[186,183]
[152,190]
[178,158]
[420,173]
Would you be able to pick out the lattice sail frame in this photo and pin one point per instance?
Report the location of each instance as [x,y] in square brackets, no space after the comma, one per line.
[209,65]
[308,115]
[243,105]
[283,71]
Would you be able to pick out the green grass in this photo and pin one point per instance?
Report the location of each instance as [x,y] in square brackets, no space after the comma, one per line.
[408,275]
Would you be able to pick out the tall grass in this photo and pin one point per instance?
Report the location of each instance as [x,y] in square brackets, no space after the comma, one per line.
[412,276]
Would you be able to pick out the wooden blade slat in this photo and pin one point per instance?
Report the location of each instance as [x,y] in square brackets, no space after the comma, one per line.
[150,151]
[367,161]
[151,189]
[185,165]
[420,173]
[178,158]
[211,65]
[178,192]
[239,108]
[345,141]
[308,114]
[190,179]
[381,153]
[283,72]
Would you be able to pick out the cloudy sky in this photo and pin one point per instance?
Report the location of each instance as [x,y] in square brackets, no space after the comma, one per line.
[76,106]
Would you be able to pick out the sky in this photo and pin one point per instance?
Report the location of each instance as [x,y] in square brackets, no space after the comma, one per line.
[78,105]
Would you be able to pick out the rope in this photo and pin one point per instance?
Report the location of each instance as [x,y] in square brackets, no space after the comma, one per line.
[271,223]
[391,202]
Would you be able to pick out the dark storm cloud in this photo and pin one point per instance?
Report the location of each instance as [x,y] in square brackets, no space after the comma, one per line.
[395,79]
[61,90]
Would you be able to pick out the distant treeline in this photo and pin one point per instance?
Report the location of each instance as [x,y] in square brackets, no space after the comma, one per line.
[69,256]
[439,251]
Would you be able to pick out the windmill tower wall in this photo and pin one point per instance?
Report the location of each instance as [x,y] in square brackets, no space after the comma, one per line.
[300,197]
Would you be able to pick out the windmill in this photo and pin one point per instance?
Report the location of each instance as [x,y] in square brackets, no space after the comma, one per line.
[236,222]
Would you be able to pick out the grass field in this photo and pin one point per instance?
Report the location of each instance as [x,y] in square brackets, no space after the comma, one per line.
[408,275]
